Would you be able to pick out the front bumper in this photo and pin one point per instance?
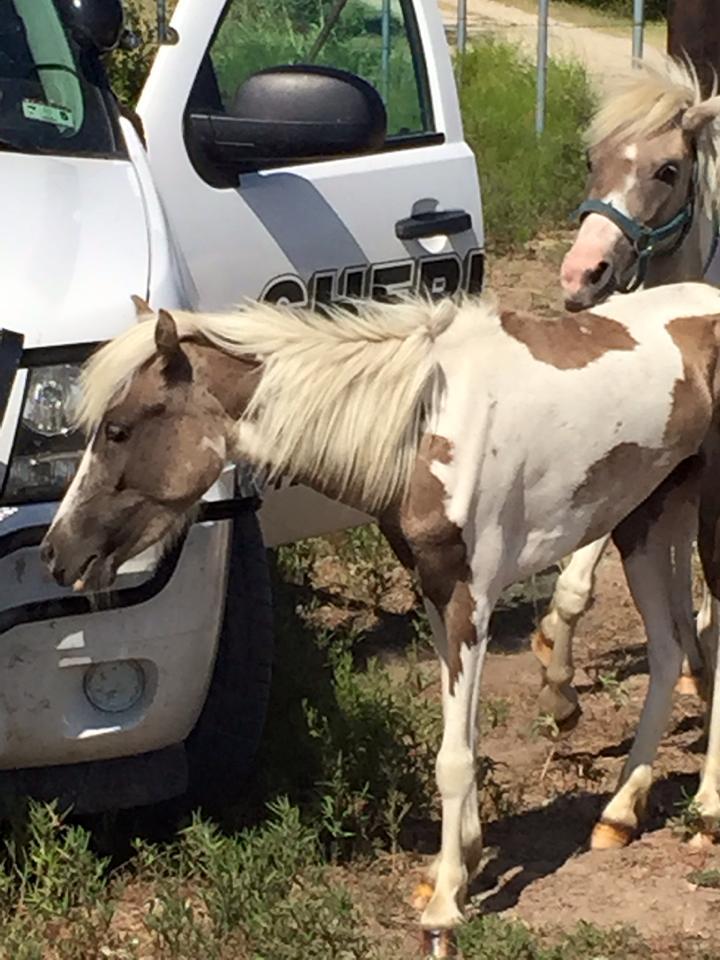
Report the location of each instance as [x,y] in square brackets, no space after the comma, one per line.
[160,620]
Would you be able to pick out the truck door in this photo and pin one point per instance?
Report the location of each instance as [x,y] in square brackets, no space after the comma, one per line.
[316,231]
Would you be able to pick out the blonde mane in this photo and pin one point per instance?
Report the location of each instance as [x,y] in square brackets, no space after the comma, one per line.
[644,104]
[343,396]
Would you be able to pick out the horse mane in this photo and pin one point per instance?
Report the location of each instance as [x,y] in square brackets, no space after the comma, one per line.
[648,102]
[343,396]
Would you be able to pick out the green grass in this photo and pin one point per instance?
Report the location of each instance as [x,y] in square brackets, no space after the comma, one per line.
[493,938]
[264,893]
[528,183]
[260,893]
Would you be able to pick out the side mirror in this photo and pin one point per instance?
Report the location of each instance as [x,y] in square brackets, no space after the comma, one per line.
[94,23]
[287,115]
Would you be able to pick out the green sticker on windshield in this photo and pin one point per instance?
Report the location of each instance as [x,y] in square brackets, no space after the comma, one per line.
[47,113]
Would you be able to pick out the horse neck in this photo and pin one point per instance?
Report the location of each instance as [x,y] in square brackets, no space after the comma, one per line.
[232,380]
[688,262]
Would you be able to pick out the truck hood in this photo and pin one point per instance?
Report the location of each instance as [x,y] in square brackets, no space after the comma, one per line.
[73,247]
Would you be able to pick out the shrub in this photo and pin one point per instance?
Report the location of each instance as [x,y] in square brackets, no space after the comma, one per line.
[528,182]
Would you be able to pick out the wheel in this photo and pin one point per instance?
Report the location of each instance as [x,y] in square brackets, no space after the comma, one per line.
[222,746]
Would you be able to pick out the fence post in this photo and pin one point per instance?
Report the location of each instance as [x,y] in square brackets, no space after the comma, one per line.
[385,29]
[461,35]
[542,57]
[638,30]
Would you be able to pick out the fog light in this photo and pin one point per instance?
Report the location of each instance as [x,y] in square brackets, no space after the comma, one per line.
[114,687]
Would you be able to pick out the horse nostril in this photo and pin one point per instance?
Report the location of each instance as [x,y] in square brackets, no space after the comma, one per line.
[596,275]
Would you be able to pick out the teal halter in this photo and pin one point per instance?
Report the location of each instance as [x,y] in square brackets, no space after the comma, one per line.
[644,239]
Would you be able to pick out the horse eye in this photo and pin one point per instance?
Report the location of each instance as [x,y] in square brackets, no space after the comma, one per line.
[115,433]
[668,173]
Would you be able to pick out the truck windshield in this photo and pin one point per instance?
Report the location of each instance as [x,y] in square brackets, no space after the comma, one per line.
[51,94]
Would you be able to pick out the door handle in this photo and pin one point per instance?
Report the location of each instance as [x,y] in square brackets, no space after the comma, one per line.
[434,223]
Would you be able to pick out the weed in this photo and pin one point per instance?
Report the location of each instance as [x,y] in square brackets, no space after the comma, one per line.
[53,881]
[545,725]
[495,712]
[688,820]
[705,878]
[493,938]
[588,942]
[614,688]
[266,888]
[493,798]
[379,748]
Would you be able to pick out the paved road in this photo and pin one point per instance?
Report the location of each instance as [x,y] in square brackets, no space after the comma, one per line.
[606,57]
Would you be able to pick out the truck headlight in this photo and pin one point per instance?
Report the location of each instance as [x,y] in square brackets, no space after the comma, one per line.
[47,446]
[51,399]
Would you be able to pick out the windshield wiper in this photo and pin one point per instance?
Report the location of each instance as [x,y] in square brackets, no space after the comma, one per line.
[9,147]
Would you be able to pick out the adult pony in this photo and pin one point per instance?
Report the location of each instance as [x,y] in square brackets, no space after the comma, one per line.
[488,443]
[651,217]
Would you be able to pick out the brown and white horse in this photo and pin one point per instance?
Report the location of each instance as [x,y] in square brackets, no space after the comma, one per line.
[488,443]
[651,217]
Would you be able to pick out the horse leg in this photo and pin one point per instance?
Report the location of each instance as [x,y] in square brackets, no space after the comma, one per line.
[461,836]
[707,798]
[471,828]
[654,557]
[693,674]
[552,644]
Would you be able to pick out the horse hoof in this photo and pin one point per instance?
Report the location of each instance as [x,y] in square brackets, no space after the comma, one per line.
[560,703]
[439,943]
[422,894]
[541,647]
[610,836]
[688,687]
[569,723]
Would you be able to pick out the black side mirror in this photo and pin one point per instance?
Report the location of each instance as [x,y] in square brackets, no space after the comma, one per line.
[97,24]
[287,115]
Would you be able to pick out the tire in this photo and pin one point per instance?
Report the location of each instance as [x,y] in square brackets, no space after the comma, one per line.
[222,747]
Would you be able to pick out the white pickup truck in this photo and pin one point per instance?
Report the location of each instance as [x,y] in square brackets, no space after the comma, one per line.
[282,158]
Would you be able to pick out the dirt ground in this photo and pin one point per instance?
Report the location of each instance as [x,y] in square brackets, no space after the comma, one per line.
[538,866]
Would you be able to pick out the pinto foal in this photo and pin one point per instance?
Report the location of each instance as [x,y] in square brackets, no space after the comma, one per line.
[489,444]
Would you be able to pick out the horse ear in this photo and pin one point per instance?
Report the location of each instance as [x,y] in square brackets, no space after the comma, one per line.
[142,308]
[695,118]
[177,368]
[167,340]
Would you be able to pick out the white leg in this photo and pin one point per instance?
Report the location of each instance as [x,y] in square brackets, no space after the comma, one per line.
[455,771]
[707,626]
[708,795]
[553,642]
[655,572]
[470,827]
